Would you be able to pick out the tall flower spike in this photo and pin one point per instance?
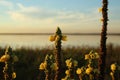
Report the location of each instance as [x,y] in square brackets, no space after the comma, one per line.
[103,49]
[58,37]
[57,53]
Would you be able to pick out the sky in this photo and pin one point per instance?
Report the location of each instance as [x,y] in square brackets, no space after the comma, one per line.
[44,16]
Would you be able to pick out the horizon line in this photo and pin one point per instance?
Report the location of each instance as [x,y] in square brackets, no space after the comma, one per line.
[54,33]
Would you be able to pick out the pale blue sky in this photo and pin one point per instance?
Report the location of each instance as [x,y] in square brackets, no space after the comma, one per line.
[45,15]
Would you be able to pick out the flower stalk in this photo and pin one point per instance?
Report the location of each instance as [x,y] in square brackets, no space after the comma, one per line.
[114,71]
[58,38]
[70,72]
[8,69]
[103,40]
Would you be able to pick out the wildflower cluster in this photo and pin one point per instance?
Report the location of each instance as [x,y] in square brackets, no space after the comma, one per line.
[90,71]
[48,66]
[9,59]
[115,69]
[91,55]
[71,65]
[48,63]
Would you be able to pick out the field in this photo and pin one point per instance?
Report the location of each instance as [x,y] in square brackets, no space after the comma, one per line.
[27,68]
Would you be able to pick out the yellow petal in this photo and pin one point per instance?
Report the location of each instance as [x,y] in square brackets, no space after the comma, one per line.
[111,73]
[13,75]
[4,58]
[78,71]
[42,66]
[87,56]
[89,70]
[64,38]
[100,9]
[52,38]
[67,72]
[113,67]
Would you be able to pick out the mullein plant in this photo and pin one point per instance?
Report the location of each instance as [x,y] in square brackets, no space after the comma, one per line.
[58,38]
[90,71]
[70,72]
[103,48]
[115,71]
[9,58]
[49,66]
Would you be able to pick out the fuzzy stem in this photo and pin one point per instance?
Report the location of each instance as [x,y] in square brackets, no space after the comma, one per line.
[103,40]
[58,53]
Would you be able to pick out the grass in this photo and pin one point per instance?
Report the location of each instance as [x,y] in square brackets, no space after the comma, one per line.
[27,68]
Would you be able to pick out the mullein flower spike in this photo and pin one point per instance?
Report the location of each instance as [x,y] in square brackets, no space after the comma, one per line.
[71,65]
[58,36]
[89,71]
[48,66]
[9,58]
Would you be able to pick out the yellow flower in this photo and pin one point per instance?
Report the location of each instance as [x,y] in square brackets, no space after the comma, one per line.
[64,38]
[87,56]
[111,73]
[97,55]
[67,72]
[42,66]
[113,67]
[100,9]
[92,56]
[89,65]
[13,75]
[5,58]
[15,58]
[68,63]
[89,70]
[78,71]
[52,38]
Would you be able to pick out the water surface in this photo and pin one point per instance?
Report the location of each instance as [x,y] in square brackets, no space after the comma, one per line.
[37,41]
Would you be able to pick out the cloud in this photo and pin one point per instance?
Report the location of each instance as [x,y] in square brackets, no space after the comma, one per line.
[6,3]
[29,13]
[45,16]
[24,9]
